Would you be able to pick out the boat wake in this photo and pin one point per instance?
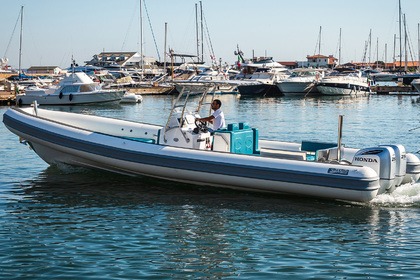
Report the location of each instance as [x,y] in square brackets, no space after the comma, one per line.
[405,195]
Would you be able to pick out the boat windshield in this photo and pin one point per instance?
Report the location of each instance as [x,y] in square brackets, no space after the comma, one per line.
[303,74]
[87,88]
[70,88]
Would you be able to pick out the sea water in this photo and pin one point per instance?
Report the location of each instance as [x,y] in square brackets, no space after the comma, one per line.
[72,223]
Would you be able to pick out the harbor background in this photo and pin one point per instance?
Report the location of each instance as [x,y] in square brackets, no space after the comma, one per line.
[285,30]
[72,223]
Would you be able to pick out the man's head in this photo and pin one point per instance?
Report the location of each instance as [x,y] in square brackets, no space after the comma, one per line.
[216,104]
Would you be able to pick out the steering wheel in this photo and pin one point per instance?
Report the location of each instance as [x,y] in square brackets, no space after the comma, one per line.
[201,126]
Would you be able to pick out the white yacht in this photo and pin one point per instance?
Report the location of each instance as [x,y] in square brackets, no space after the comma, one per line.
[198,83]
[263,75]
[344,81]
[303,81]
[75,88]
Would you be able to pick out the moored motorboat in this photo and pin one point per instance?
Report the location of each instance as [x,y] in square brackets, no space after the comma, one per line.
[199,83]
[75,88]
[302,82]
[344,81]
[184,150]
[262,76]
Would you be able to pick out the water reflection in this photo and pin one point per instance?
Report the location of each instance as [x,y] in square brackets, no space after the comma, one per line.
[81,216]
[90,188]
[87,223]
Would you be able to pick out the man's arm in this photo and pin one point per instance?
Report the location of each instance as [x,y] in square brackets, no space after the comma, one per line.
[207,119]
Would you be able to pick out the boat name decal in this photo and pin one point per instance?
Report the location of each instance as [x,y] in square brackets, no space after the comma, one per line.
[365,159]
[338,171]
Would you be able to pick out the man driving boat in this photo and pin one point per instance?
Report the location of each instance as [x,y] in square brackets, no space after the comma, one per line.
[217,118]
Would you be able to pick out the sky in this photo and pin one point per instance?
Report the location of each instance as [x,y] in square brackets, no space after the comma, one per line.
[56,30]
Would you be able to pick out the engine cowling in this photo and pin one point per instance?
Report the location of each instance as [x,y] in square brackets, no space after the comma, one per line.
[400,163]
[382,160]
[413,169]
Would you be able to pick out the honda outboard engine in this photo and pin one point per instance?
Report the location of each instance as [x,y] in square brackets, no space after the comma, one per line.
[413,169]
[400,163]
[380,159]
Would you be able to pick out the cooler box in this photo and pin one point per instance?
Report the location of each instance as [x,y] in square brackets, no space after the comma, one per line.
[237,139]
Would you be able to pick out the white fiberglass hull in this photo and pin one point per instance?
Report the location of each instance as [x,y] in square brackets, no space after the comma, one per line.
[332,90]
[114,145]
[297,88]
[343,86]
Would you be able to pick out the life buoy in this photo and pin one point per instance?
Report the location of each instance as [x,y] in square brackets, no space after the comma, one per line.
[70,97]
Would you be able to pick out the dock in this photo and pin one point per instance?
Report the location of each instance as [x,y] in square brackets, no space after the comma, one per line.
[400,89]
[7,98]
[7,92]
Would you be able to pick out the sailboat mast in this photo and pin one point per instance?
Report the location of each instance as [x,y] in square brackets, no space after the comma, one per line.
[164,48]
[20,41]
[399,22]
[370,46]
[395,43]
[141,41]
[377,52]
[405,46]
[319,42]
[418,46]
[202,35]
[339,48]
[196,31]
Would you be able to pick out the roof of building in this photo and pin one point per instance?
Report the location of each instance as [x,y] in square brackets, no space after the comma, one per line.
[409,63]
[387,64]
[316,56]
[331,58]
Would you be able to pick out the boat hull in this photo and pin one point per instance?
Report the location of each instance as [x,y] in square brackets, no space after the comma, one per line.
[71,99]
[57,143]
[297,88]
[342,89]
[259,90]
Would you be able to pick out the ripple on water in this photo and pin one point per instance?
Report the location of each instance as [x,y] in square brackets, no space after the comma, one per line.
[74,223]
